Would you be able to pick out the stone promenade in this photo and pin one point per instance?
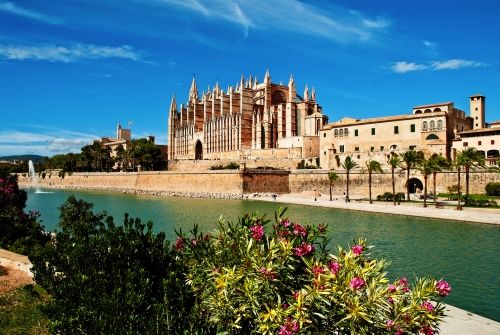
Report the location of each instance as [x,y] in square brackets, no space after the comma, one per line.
[459,321]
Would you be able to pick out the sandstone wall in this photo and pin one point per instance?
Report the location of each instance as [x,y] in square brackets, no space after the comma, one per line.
[204,165]
[83,179]
[266,182]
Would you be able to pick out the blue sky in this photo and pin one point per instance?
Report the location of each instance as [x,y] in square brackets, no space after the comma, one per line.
[70,70]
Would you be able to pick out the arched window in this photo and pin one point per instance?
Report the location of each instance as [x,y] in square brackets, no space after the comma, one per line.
[336,133]
[440,124]
[433,124]
[341,132]
[432,137]
[346,132]
[424,125]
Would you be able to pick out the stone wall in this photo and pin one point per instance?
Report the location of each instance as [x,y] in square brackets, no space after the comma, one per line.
[266,182]
[204,165]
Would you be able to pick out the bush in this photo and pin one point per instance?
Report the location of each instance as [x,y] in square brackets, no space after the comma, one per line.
[61,174]
[492,188]
[285,282]
[230,166]
[19,231]
[107,279]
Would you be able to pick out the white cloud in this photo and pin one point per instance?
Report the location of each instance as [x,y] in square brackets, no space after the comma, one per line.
[429,44]
[101,75]
[12,8]
[53,53]
[402,67]
[452,64]
[66,145]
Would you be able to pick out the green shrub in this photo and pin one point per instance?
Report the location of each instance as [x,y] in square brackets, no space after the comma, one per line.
[108,279]
[285,282]
[61,174]
[43,175]
[493,188]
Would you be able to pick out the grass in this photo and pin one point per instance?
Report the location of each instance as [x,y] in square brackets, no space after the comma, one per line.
[472,196]
[20,312]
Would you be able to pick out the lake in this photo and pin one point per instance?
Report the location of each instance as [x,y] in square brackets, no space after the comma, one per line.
[464,254]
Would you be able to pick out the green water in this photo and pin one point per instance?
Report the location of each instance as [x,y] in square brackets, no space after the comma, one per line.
[467,255]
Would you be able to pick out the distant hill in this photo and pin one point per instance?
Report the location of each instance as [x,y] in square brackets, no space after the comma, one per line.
[33,158]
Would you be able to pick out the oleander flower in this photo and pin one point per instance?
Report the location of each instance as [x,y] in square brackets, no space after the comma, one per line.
[357,249]
[334,267]
[443,288]
[357,283]
[258,231]
[427,305]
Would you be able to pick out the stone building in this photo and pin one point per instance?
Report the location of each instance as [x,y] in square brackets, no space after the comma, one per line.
[249,121]
[430,129]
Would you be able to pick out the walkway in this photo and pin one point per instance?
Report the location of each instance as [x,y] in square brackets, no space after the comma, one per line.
[458,321]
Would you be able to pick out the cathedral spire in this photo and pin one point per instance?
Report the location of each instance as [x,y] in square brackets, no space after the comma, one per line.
[313,94]
[242,81]
[291,82]
[193,92]
[173,106]
[267,78]
[306,93]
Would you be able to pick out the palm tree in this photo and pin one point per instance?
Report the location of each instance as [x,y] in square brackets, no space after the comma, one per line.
[70,158]
[409,160]
[394,162]
[373,167]
[348,165]
[472,160]
[457,164]
[426,166]
[439,163]
[333,177]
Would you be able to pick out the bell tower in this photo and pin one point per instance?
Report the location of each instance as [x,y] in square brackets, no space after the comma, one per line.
[477,111]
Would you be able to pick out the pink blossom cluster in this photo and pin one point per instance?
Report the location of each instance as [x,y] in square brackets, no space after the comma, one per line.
[179,244]
[391,288]
[284,222]
[357,283]
[7,189]
[334,267]
[317,270]
[443,288]
[427,330]
[298,230]
[404,283]
[289,328]
[357,249]
[304,249]
[267,273]
[390,323]
[258,231]
[427,305]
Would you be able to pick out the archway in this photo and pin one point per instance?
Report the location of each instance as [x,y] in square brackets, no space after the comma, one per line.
[414,185]
[199,150]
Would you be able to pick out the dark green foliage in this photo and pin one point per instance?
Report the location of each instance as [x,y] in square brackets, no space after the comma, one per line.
[108,279]
[19,231]
[304,165]
[230,166]
[493,188]
[473,201]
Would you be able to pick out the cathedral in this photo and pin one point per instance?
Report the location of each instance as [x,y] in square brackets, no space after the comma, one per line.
[249,120]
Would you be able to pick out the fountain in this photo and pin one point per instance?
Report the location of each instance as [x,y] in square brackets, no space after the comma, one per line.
[32,173]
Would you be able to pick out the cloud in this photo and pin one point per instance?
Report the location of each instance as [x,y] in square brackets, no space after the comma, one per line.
[54,53]
[66,145]
[452,64]
[402,67]
[430,44]
[12,8]
[290,15]
[101,75]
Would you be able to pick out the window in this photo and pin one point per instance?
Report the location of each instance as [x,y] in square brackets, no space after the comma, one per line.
[310,149]
[412,147]
[355,132]
[342,148]
[381,148]
[412,128]
[477,125]
[424,125]
[396,130]
[478,142]
[324,152]
[440,124]
[476,109]
[492,141]
[433,124]
[373,131]
[476,116]
[372,148]
[466,144]
[346,132]
[336,133]
[324,134]
[356,149]
[341,132]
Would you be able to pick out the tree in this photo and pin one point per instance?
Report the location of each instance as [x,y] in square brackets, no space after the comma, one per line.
[410,159]
[120,155]
[348,165]
[426,166]
[439,163]
[49,163]
[333,177]
[372,166]
[472,160]
[71,158]
[457,164]
[394,162]
[111,279]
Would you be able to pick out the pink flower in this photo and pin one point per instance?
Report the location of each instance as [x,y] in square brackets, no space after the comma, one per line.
[193,242]
[258,232]
[304,249]
[406,289]
[178,244]
[322,287]
[427,305]
[443,288]
[391,288]
[428,330]
[390,300]
[357,283]
[298,230]
[334,267]
[285,223]
[272,275]
[296,295]
[321,229]
[317,270]
[289,327]
[357,250]
[262,270]
[285,306]
[389,324]
[399,332]
[403,281]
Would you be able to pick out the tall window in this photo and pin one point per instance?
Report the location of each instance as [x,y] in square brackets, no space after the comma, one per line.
[355,132]
[342,148]
[466,144]
[341,132]
[412,128]
[440,124]
[433,125]
[424,125]
[396,129]
[336,133]
[346,132]
[373,131]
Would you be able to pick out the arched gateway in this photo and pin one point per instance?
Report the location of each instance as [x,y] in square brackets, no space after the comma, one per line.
[199,150]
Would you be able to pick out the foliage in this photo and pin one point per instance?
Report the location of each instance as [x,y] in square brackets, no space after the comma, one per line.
[61,174]
[108,279]
[285,282]
[304,165]
[477,202]
[19,231]
[333,177]
[348,165]
[492,188]
[318,162]
[230,166]
[452,189]
[21,312]
[409,160]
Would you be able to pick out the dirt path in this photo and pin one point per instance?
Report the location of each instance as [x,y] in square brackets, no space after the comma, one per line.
[17,268]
